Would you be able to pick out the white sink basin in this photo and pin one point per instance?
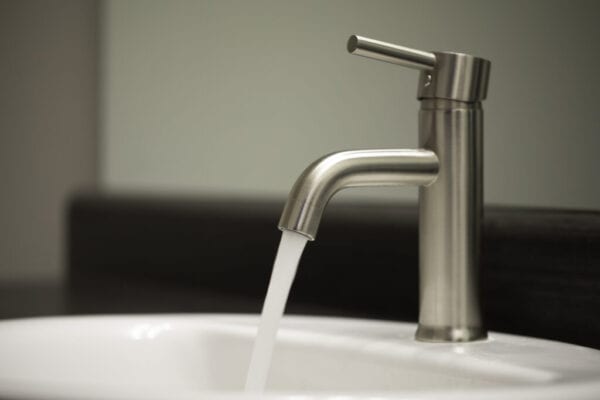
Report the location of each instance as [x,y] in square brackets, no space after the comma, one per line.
[206,356]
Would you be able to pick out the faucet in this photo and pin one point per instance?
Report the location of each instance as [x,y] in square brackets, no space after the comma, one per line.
[448,168]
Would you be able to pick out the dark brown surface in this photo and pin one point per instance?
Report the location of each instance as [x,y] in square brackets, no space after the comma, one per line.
[143,254]
[32,300]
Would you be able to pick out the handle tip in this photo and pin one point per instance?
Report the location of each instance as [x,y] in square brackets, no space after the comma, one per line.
[352,44]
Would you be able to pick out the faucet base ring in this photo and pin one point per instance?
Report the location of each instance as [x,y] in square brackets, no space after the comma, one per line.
[444,334]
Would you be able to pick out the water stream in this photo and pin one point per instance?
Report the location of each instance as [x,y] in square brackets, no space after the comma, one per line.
[284,269]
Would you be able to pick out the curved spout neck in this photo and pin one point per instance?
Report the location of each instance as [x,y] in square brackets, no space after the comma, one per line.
[328,175]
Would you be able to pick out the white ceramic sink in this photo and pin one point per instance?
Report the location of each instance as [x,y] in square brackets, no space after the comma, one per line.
[206,356]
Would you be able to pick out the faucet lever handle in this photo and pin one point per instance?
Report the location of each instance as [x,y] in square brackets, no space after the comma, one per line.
[388,52]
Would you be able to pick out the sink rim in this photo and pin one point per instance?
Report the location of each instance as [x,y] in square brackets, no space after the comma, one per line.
[553,381]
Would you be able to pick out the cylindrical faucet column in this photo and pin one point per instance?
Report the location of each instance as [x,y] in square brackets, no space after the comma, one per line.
[450,215]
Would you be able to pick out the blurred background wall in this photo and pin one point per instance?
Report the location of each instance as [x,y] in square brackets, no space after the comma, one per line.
[237,97]
[48,119]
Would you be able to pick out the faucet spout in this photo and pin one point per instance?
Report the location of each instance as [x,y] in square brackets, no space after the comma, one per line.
[359,168]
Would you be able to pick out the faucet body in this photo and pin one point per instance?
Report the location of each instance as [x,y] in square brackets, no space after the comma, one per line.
[448,168]
[450,215]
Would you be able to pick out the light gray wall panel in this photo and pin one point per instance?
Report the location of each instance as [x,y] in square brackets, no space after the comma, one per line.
[238,96]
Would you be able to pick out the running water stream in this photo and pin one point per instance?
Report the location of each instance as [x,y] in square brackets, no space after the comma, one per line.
[286,262]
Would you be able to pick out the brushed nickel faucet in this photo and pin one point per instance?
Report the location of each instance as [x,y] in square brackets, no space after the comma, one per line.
[448,170]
